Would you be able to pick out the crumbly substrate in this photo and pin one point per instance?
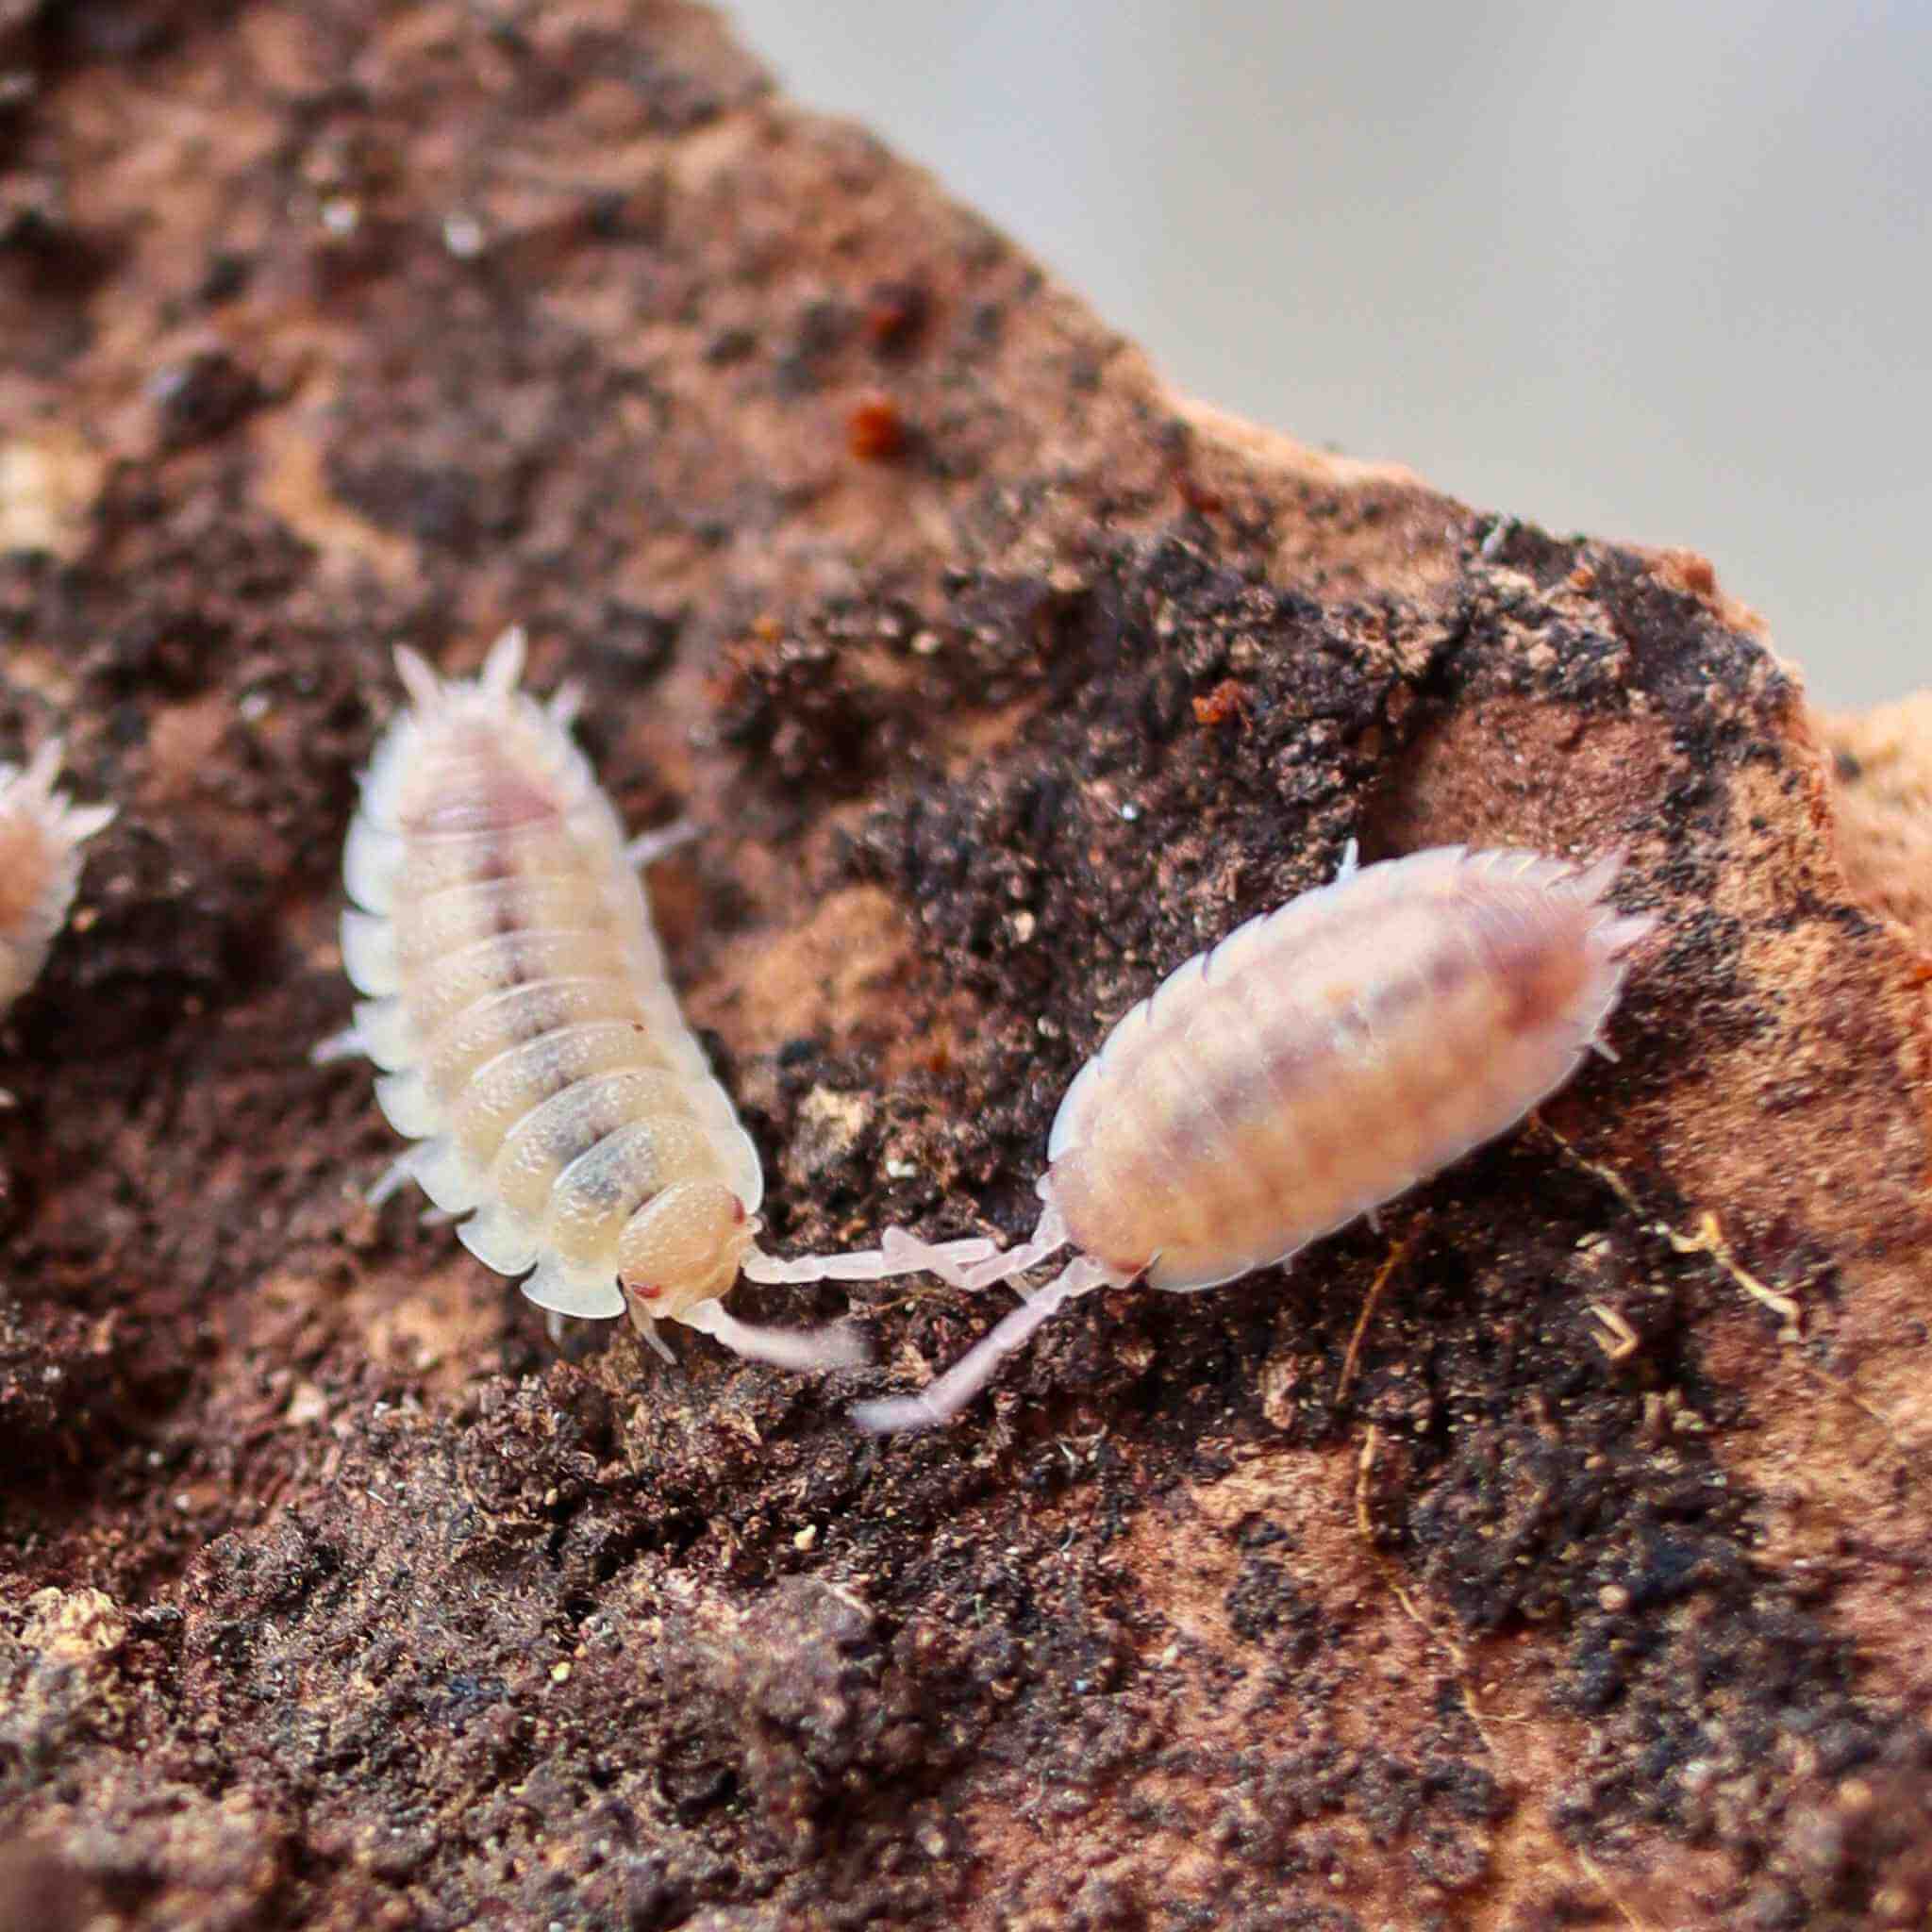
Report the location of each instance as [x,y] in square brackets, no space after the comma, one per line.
[1379,1591]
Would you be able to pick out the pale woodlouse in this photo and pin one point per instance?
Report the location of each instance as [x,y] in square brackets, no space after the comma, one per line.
[530,1042]
[1319,1061]
[41,835]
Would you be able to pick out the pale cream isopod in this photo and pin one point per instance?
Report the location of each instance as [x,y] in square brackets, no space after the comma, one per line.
[41,835]
[530,1043]
[1317,1062]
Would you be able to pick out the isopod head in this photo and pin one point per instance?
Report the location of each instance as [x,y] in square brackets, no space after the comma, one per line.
[684,1248]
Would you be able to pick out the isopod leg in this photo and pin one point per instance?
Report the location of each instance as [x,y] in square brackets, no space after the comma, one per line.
[647,848]
[345,1045]
[78,822]
[398,1173]
[43,768]
[784,1348]
[1048,1236]
[648,1330]
[945,1398]
[503,665]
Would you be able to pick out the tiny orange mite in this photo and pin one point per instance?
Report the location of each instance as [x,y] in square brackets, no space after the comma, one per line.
[1226,700]
[875,431]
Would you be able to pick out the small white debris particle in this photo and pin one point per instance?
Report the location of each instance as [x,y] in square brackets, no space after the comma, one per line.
[462,235]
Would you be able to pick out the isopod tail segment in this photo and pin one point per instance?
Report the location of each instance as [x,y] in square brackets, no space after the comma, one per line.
[1318,1062]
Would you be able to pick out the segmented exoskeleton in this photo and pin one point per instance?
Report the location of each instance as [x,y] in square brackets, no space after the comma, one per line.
[531,1043]
[1317,1062]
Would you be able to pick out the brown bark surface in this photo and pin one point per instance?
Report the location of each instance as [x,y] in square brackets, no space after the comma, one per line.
[1390,1591]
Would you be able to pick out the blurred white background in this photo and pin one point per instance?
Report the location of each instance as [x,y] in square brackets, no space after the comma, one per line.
[1652,271]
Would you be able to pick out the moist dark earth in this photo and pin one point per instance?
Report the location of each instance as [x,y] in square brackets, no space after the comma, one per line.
[1554,1554]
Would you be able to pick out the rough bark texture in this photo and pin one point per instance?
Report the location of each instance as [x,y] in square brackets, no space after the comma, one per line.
[1389,1592]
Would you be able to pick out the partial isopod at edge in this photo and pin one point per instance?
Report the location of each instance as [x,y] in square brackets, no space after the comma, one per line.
[41,832]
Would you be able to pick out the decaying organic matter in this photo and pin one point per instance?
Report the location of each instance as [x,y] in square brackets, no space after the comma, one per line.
[1407,1590]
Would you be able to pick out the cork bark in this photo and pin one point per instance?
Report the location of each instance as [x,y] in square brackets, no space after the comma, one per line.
[1556,1555]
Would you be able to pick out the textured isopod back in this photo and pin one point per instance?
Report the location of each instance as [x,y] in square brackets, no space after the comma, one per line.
[530,1043]
[1319,1061]
[41,835]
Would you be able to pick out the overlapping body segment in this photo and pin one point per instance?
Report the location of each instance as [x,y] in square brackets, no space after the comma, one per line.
[516,1000]
[1326,1056]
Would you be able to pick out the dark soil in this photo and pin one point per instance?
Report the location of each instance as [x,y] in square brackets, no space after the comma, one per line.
[1000,682]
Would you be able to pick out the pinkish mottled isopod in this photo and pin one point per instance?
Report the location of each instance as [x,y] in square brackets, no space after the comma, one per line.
[1317,1062]
[530,1042]
[41,835]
